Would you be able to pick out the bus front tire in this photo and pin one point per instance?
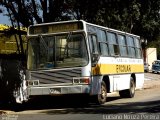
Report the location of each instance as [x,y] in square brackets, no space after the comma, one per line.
[101,98]
[129,93]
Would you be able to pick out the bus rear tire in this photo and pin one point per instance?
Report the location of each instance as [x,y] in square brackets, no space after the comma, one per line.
[129,93]
[101,98]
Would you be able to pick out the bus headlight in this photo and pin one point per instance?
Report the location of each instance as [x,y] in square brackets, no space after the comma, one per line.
[81,80]
[32,82]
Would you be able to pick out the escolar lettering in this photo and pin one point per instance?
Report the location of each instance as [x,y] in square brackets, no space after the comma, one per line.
[123,68]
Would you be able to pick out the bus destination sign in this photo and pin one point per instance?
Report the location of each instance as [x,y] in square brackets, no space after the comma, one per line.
[55,28]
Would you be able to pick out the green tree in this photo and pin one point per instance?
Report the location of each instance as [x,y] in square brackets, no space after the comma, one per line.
[148,25]
[134,16]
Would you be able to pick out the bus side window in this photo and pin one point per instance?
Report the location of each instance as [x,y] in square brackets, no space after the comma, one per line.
[113,45]
[103,43]
[94,49]
[131,47]
[122,45]
[138,48]
[93,44]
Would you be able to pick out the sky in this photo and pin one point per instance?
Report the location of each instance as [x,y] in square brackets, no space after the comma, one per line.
[4,20]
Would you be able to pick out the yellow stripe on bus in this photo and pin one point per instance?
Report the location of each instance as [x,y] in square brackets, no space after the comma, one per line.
[117,68]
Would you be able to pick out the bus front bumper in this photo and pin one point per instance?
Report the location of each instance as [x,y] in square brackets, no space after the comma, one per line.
[58,90]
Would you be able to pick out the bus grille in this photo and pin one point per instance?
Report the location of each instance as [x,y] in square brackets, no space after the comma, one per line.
[56,77]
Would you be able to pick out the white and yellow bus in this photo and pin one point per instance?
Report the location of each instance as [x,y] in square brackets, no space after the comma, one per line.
[76,57]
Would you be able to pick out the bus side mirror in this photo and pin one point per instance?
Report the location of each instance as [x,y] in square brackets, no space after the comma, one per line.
[95,58]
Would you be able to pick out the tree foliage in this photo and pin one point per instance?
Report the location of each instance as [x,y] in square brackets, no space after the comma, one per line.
[135,16]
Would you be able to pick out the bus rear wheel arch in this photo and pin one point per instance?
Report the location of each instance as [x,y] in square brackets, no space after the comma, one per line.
[129,93]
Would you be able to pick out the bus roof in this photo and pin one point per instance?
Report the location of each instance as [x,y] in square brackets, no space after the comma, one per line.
[84,22]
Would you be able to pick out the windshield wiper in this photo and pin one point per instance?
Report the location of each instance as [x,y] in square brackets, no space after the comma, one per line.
[66,46]
[43,42]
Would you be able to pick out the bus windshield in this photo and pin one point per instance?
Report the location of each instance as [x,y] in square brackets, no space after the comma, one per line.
[57,51]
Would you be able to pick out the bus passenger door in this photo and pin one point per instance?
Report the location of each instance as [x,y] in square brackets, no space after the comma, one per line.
[96,80]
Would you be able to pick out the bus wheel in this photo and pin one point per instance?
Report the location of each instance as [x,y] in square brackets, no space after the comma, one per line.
[129,93]
[101,98]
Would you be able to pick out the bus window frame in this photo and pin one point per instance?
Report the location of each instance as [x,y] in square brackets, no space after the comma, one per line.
[94,55]
[123,45]
[138,48]
[102,42]
[115,46]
